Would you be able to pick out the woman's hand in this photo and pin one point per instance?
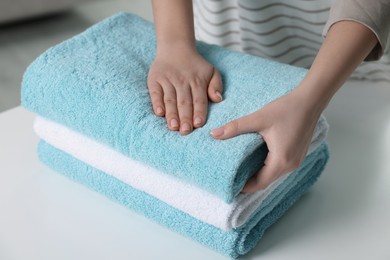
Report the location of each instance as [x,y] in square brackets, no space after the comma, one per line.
[180,83]
[286,125]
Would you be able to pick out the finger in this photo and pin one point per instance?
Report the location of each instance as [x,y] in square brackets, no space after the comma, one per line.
[215,87]
[267,174]
[184,108]
[200,104]
[170,102]
[157,97]
[247,124]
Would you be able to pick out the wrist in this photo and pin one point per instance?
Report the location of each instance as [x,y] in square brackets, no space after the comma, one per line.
[313,97]
[179,40]
[183,47]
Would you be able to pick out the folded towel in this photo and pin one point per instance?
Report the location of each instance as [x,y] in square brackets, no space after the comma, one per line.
[233,243]
[181,195]
[95,83]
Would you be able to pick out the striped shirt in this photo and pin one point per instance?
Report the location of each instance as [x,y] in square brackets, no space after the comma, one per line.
[291,31]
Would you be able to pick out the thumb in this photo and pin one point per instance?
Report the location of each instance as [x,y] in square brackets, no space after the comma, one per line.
[275,165]
[242,125]
[215,88]
[267,174]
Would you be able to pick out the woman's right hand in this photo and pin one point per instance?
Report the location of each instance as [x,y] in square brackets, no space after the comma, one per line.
[180,83]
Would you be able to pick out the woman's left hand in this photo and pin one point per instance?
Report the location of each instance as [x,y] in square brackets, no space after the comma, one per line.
[286,125]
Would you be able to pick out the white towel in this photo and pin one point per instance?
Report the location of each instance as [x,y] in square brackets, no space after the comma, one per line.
[181,195]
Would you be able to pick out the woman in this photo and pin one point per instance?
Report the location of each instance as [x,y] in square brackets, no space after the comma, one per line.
[181,84]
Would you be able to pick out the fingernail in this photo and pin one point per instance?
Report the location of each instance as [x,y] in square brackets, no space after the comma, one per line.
[219,95]
[197,121]
[217,132]
[174,123]
[185,127]
[159,110]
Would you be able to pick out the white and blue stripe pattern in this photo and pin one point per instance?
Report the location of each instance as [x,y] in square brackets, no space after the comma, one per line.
[286,31]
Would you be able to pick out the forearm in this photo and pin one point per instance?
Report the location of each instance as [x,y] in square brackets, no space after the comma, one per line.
[174,24]
[347,44]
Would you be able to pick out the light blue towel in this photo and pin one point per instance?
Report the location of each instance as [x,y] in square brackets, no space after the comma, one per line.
[233,243]
[95,83]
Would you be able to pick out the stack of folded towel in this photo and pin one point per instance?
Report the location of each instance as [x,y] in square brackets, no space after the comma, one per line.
[97,127]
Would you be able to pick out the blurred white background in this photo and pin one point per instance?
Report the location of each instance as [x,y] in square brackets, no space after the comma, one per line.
[23,38]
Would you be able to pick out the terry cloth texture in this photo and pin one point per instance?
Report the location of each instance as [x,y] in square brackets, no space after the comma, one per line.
[232,243]
[181,195]
[95,84]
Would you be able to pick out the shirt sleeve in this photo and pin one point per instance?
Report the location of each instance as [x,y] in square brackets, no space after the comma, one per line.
[374,14]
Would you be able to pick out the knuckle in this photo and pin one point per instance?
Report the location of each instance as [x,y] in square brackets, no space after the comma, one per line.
[233,126]
[184,103]
[156,93]
[200,101]
[288,163]
[155,77]
[169,100]
[178,81]
[151,82]
[171,115]
[170,75]
[198,83]
[185,119]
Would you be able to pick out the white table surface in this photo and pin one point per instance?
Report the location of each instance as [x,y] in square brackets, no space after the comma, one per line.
[346,215]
